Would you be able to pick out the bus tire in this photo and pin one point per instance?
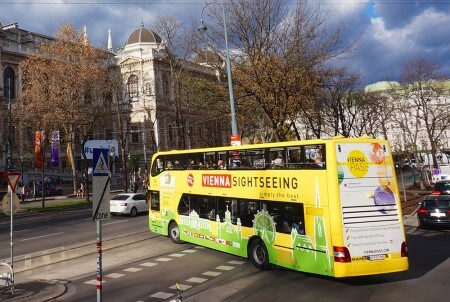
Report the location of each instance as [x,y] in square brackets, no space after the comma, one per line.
[174,232]
[259,255]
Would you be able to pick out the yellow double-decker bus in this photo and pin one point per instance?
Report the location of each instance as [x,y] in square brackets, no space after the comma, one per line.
[324,206]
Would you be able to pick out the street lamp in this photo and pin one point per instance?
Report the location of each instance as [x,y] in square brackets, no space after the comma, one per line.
[202,28]
[10,142]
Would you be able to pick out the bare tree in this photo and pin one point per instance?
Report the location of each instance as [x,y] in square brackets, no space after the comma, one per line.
[425,89]
[277,50]
[198,95]
[64,87]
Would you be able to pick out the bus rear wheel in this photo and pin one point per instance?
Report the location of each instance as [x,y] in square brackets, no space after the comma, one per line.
[174,232]
[259,255]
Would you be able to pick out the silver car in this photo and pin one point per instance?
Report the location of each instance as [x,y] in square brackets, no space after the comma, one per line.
[128,204]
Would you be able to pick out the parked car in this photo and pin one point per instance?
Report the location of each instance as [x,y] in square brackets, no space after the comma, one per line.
[49,189]
[128,204]
[434,210]
[441,187]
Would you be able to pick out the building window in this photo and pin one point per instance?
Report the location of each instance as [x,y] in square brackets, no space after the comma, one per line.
[148,89]
[108,134]
[134,134]
[166,87]
[8,83]
[133,88]
[171,133]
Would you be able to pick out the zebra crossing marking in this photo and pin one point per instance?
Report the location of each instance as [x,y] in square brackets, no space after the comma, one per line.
[181,286]
[197,280]
[132,269]
[212,274]
[162,295]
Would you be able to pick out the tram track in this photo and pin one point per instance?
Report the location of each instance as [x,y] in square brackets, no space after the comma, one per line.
[35,260]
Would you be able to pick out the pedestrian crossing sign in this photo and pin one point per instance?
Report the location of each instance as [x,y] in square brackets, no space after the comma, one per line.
[100,162]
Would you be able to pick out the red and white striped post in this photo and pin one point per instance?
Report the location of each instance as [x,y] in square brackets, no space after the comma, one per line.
[99,261]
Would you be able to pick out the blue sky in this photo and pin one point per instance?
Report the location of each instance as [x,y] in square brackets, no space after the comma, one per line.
[391,31]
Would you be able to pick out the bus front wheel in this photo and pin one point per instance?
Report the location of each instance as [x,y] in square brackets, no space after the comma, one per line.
[259,254]
[174,232]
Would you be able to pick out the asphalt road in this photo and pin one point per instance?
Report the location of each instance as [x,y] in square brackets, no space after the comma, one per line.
[149,268]
[45,231]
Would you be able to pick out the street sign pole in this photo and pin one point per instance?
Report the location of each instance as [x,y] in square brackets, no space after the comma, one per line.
[99,261]
[100,195]
[11,236]
[12,179]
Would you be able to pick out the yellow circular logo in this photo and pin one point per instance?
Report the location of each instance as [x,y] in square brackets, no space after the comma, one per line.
[357,163]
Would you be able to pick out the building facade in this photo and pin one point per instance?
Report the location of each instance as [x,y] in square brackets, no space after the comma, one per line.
[154,115]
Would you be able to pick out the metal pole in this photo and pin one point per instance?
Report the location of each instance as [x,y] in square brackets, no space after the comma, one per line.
[12,238]
[99,261]
[21,176]
[145,147]
[9,164]
[234,128]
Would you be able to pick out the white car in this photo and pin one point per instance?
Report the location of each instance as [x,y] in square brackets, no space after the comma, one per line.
[128,204]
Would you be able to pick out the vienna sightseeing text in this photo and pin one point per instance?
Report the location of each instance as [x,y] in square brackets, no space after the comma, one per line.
[226,181]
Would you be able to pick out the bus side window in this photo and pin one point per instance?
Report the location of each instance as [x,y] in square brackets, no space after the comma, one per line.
[154,200]
[227,206]
[247,211]
[183,206]
[314,157]
[157,167]
[293,158]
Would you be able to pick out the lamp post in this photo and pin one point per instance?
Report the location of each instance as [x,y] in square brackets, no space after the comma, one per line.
[202,28]
[9,154]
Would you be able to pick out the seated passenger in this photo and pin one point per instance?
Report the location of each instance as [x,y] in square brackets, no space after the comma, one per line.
[169,165]
[278,162]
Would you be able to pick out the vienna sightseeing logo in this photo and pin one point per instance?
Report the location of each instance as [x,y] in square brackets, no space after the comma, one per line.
[357,163]
[190,180]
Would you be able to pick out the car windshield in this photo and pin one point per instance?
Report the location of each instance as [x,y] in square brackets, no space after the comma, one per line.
[436,204]
[120,197]
[442,186]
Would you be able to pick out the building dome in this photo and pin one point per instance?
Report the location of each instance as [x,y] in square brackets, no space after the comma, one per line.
[143,35]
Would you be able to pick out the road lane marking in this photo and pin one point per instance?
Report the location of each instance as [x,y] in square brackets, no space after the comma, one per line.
[93,282]
[149,264]
[162,295]
[181,286]
[197,280]
[132,269]
[189,251]
[105,224]
[177,255]
[115,275]
[225,267]
[39,237]
[212,274]
[163,259]
[236,262]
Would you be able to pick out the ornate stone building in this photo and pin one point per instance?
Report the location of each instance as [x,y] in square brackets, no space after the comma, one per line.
[15,44]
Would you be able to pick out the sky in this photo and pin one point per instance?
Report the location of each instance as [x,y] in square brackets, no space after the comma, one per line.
[391,32]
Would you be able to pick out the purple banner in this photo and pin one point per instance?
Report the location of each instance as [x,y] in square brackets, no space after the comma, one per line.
[55,149]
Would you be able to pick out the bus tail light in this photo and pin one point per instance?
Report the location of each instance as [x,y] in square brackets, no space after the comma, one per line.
[404,252]
[341,254]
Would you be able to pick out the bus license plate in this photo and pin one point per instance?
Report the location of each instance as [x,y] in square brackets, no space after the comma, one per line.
[376,257]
